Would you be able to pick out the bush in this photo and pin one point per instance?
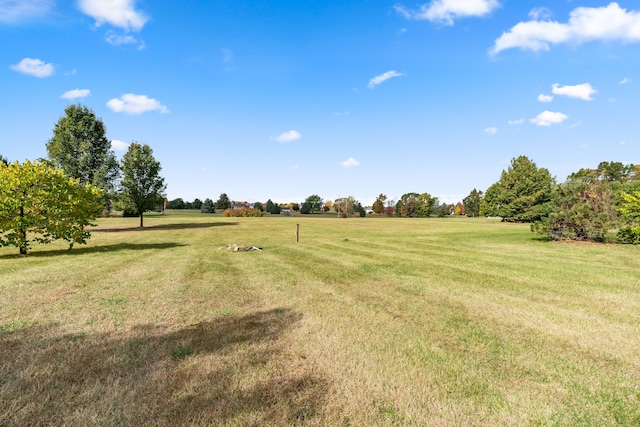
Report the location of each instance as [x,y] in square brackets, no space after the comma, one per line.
[630,235]
[242,212]
[208,206]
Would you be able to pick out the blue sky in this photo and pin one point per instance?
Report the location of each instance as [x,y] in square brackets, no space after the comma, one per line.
[286,98]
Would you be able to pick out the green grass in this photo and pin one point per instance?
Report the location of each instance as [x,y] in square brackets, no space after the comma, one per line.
[372,321]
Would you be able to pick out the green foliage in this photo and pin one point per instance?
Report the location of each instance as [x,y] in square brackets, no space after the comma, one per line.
[416,205]
[269,205]
[522,194]
[176,204]
[472,203]
[630,211]
[311,204]
[357,207]
[607,172]
[580,210]
[196,204]
[246,212]
[38,203]
[80,147]
[142,185]
[4,160]
[223,202]
[208,206]
[275,209]
[258,205]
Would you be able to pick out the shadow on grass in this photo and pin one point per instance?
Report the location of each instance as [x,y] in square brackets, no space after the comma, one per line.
[160,227]
[79,250]
[234,370]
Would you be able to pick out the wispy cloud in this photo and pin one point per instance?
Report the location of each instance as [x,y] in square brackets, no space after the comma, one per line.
[34,67]
[289,136]
[625,81]
[447,11]
[118,39]
[117,13]
[383,77]
[548,118]
[227,55]
[540,13]
[582,91]
[118,145]
[491,131]
[130,103]
[608,23]
[516,122]
[545,98]
[15,11]
[76,93]
[349,163]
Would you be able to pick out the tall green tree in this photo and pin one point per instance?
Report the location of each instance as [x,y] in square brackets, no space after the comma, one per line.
[522,194]
[223,202]
[80,147]
[472,203]
[425,205]
[311,204]
[38,203]
[142,186]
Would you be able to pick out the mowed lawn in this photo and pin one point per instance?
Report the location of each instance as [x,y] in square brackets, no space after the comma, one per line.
[369,321]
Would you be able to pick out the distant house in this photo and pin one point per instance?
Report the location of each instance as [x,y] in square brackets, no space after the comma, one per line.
[240,205]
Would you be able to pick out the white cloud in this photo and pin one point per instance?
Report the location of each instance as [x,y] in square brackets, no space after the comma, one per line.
[516,122]
[625,81]
[12,11]
[609,23]
[383,77]
[76,93]
[491,131]
[545,98]
[290,136]
[117,40]
[582,91]
[548,118]
[540,13]
[350,162]
[33,67]
[447,11]
[131,103]
[118,145]
[118,13]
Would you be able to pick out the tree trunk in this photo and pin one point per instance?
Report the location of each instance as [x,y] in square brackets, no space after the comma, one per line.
[141,221]
[23,234]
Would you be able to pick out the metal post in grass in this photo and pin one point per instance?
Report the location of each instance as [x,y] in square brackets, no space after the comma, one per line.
[297,233]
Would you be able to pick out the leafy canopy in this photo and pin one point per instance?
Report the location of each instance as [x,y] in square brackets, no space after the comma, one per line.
[80,147]
[38,203]
[142,185]
[522,194]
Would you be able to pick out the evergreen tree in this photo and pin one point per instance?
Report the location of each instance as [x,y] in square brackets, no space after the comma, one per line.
[223,202]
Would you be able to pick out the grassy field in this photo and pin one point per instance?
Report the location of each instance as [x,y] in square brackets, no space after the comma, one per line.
[372,321]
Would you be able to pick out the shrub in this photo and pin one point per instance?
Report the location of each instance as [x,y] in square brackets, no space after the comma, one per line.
[242,212]
[630,235]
